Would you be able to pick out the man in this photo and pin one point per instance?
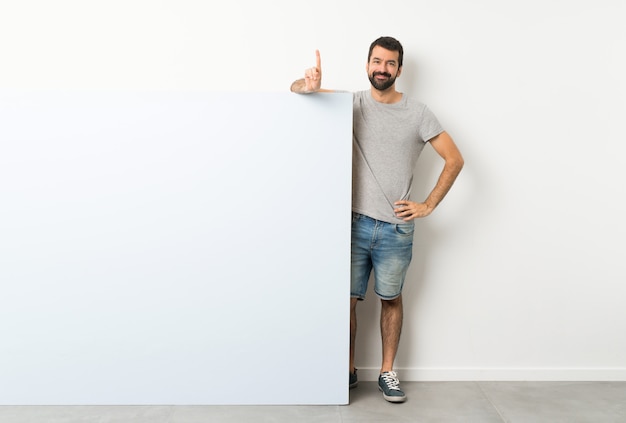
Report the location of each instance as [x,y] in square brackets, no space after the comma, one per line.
[389,132]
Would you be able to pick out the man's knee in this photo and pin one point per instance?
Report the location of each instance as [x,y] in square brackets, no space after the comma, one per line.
[394,302]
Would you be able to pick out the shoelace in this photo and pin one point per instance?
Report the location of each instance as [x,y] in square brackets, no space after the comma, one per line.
[391,380]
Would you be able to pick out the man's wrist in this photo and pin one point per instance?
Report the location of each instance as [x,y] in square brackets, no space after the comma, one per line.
[430,204]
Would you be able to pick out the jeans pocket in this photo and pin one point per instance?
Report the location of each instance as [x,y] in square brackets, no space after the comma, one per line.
[405,228]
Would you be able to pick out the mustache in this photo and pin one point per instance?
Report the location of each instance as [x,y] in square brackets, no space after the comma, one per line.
[388,75]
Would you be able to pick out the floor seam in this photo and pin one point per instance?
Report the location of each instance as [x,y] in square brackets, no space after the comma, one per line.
[488,398]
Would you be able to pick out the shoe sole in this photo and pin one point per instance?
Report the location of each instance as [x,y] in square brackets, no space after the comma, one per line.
[392,398]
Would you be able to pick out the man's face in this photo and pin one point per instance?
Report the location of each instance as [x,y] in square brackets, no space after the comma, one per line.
[383,68]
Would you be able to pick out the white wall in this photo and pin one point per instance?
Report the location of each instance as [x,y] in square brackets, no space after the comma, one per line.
[520,273]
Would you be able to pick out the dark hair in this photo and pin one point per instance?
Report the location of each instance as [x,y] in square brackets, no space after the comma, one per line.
[388,43]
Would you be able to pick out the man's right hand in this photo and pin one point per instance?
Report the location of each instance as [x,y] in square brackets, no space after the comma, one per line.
[312,81]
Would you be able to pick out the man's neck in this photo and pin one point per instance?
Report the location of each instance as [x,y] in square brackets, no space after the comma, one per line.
[388,96]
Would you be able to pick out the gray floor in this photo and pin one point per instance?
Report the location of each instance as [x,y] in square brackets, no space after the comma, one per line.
[427,402]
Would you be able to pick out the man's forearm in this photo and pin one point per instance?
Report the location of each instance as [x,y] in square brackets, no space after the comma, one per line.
[450,171]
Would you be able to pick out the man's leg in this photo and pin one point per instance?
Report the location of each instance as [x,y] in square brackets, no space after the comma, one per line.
[353,303]
[390,328]
[360,269]
[391,259]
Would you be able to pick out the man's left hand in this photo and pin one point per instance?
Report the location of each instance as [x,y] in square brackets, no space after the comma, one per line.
[409,210]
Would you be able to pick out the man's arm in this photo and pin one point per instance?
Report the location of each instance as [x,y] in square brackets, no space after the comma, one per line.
[312,81]
[447,149]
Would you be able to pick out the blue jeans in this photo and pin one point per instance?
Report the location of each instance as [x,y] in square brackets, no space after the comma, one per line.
[386,248]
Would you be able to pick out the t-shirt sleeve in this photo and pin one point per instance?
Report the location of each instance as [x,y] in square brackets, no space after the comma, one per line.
[430,126]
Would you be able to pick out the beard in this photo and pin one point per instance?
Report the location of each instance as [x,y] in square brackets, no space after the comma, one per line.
[381,85]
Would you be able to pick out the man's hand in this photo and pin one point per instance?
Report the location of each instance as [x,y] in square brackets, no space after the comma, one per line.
[409,210]
[312,81]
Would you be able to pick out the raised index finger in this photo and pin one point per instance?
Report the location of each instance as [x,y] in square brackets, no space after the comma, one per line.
[318,60]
